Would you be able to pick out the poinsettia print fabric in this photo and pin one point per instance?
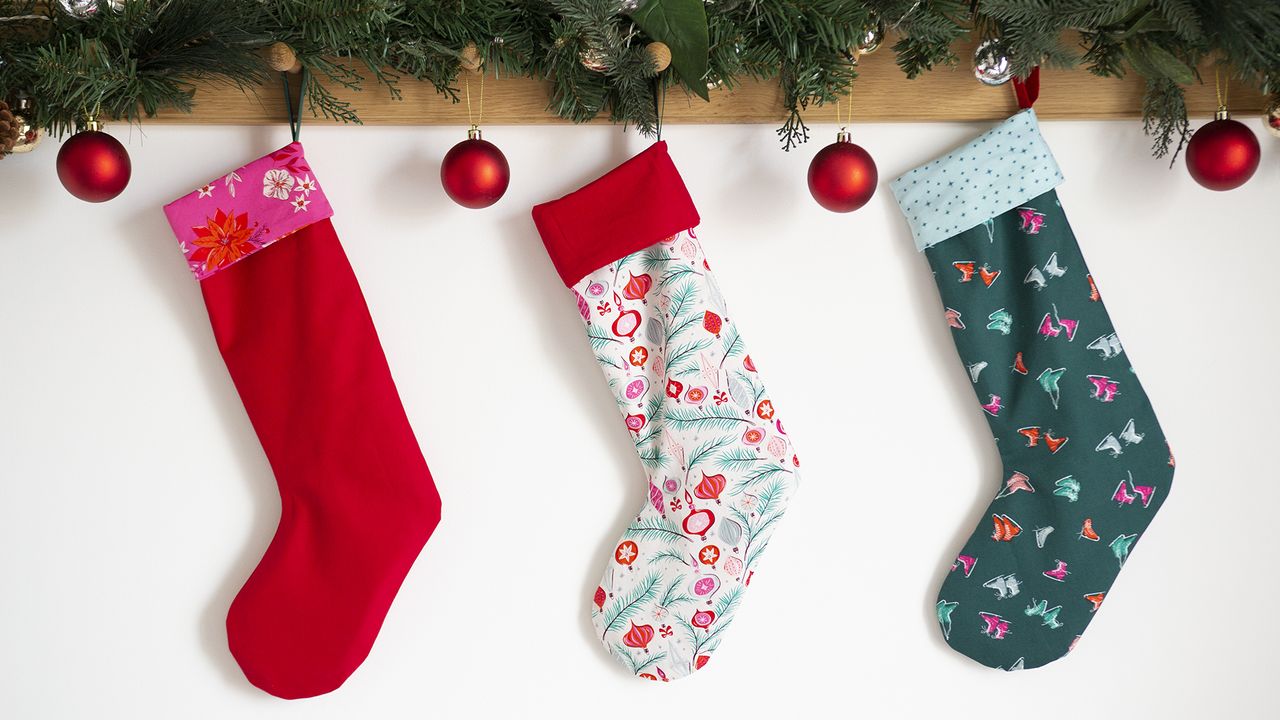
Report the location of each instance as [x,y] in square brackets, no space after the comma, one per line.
[242,212]
[719,465]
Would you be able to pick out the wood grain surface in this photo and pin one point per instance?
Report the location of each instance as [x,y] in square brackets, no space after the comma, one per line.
[881,93]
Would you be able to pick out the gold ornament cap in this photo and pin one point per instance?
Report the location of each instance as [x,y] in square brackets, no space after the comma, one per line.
[844,136]
[474,133]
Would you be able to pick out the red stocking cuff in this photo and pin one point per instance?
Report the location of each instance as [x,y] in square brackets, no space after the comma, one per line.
[633,206]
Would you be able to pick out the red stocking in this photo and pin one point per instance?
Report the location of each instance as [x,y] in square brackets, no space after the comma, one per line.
[357,500]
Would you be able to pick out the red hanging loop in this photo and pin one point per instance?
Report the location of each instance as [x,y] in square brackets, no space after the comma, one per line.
[1027,90]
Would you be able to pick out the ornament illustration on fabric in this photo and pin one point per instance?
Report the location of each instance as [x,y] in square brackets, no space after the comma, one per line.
[720,464]
[1081,447]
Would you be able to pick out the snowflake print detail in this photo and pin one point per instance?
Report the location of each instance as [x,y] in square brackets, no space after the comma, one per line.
[764,410]
[277,184]
[626,553]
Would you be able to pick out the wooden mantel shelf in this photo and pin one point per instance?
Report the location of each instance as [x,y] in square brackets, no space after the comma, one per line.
[881,93]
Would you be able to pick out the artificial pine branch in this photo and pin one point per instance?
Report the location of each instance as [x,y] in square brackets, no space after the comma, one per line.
[1161,40]
[132,63]
[126,63]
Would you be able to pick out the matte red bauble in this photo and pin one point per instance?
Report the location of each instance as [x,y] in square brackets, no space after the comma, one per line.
[94,166]
[842,176]
[475,173]
[1223,154]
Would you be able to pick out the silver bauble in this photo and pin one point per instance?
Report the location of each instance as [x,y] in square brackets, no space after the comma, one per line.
[871,40]
[991,63]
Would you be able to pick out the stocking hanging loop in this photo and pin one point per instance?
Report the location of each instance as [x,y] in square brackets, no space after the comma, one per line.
[1027,90]
[659,104]
[295,109]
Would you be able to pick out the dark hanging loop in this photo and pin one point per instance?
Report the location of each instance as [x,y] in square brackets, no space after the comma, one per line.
[659,103]
[295,109]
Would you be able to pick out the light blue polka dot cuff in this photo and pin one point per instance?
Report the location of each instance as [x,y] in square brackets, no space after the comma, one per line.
[999,170]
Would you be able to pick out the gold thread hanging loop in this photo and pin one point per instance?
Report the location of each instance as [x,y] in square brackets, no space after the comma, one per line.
[1222,90]
[848,117]
[479,117]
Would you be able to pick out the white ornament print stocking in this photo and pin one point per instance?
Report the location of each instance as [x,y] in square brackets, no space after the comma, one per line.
[719,467]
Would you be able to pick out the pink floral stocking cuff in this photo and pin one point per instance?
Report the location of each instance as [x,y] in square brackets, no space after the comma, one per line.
[244,211]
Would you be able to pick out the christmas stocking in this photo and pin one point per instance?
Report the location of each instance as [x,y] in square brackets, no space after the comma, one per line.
[357,501]
[1086,466]
[719,467]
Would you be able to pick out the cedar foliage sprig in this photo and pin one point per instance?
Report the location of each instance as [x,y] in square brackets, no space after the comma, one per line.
[131,62]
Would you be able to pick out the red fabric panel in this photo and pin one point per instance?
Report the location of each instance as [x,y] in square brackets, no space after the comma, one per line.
[357,500]
[633,206]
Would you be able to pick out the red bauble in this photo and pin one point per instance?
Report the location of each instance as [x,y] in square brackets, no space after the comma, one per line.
[842,176]
[94,166]
[1223,154]
[475,173]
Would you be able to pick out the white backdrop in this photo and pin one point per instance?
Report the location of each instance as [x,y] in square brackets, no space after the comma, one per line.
[135,499]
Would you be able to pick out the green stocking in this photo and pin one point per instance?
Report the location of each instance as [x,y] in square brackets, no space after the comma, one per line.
[1086,466]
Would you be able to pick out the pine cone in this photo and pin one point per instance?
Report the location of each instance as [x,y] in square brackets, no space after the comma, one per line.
[9,128]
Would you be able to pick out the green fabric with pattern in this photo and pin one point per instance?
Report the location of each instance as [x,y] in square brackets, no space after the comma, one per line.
[1086,465]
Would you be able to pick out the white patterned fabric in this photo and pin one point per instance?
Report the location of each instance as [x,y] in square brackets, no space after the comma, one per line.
[720,469]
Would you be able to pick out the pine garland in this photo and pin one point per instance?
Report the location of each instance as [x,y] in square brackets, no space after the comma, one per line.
[132,58]
[1161,40]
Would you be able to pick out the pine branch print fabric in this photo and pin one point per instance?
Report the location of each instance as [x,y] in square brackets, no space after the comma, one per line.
[719,464]
[1085,464]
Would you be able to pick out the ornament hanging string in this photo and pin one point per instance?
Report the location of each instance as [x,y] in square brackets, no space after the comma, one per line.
[1220,89]
[849,115]
[1027,90]
[475,124]
[905,15]
[91,117]
[295,110]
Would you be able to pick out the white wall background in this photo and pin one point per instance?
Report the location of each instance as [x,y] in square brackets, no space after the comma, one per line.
[135,499]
